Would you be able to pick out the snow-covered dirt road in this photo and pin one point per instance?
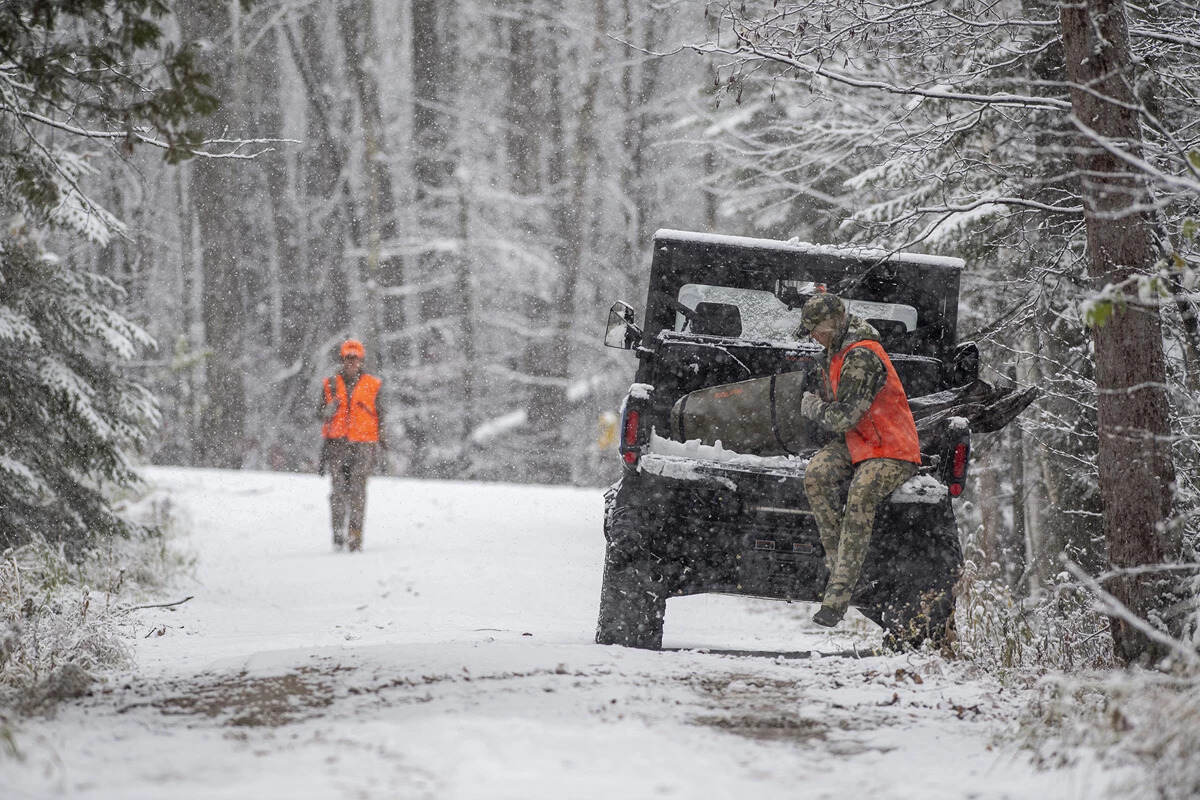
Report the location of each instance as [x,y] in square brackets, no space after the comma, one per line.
[453,658]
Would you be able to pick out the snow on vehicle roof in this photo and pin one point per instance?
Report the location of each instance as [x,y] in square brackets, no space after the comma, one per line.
[795,245]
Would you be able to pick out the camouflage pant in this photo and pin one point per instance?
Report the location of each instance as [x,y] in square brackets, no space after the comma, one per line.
[844,498]
[349,465]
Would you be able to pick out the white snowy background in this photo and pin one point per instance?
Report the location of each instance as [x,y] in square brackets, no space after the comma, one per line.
[453,658]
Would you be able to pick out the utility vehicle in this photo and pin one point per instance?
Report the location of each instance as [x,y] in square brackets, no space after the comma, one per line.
[713,447]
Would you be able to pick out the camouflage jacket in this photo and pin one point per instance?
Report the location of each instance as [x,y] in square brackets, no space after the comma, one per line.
[862,376]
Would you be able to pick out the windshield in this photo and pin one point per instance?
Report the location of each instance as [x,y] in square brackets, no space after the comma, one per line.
[743,313]
[760,315]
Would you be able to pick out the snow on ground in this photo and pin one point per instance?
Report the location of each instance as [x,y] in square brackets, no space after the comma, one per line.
[453,658]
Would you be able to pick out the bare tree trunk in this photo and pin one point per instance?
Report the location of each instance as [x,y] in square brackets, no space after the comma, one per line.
[522,113]
[464,293]
[1191,333]
[1020,527]
[356,23]
[637,77]
[534,148]
[293,312]
[640,81]
[433,78]
[547,403]
[217,188]
[568,180]
[1136,471]
[328,206]
[1041,556]
[192,375]
[993,528]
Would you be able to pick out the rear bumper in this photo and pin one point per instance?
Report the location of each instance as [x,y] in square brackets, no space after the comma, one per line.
[785,477]
[776,483]
[711,529]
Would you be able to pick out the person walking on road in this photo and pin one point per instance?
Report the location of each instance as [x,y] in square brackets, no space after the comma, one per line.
[849,477]
[351,412]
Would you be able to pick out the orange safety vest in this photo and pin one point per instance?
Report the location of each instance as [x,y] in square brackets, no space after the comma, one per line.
[887,429]
[357,419]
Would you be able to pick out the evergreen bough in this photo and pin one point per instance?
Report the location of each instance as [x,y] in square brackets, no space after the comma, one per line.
[77,74]
[69,418]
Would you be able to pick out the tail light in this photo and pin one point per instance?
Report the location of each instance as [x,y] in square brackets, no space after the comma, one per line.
[629,434]
[958,468]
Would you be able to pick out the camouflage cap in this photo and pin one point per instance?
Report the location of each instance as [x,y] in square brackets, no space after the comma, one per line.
[817,309]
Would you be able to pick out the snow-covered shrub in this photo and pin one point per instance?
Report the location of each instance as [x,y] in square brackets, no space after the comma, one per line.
[1057,629]
[64,619]
[1144,721]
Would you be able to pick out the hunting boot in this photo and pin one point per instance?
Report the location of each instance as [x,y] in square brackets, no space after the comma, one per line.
[354,540]
[339,539]
[833,604]
[828,617]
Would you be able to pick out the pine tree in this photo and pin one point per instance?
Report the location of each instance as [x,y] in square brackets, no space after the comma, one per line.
[78,74]
[70,419]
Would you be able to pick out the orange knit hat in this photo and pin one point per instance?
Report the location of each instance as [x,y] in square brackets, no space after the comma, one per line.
[353,347]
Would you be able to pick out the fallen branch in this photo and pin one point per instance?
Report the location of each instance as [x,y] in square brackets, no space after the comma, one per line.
[159,605]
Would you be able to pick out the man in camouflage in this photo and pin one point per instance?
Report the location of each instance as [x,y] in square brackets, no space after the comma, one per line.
[848,478]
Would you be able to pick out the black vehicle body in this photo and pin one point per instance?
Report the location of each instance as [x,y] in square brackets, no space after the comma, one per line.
[692,518]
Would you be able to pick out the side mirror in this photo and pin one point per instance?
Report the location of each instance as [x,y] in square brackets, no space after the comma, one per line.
[622,332]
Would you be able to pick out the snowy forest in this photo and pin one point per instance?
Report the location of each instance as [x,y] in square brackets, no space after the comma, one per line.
[202,200]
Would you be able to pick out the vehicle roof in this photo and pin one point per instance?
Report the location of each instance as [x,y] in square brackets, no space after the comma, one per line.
[854,252]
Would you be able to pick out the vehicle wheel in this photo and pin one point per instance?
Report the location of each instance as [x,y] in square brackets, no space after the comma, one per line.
[911,615]
[632,607]
[633,596]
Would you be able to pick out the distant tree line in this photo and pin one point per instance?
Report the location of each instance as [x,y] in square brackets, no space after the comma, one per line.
[465,186]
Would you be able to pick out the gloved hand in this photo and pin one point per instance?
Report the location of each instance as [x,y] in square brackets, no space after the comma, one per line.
[330,409]
[810,405]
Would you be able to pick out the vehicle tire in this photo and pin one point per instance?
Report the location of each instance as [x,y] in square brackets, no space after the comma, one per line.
[633,597]
[632,606]
[911,613]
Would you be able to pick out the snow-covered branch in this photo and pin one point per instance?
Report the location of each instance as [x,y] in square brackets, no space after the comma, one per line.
[1163,36]
[142,136]
[997,99]
[1140,165]
[1115,608]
